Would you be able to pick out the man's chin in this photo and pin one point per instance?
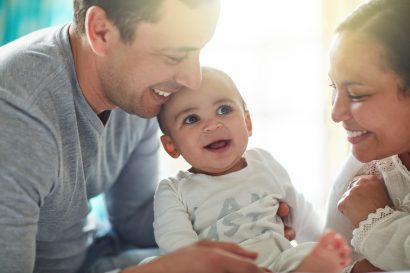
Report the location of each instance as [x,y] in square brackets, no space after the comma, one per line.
[146,113]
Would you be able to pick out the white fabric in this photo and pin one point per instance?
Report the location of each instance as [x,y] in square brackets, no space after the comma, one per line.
[383,238]
[239,207]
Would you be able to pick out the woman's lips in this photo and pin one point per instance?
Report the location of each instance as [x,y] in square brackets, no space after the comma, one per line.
[358,136]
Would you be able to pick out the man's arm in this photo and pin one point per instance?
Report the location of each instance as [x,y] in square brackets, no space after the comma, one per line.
[28,168]
[203,257]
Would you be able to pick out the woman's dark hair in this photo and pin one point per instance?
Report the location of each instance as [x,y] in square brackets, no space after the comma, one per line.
[125,14]
[388,22]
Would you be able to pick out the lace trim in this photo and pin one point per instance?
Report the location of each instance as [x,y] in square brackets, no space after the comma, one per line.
[377,167]
[365,226]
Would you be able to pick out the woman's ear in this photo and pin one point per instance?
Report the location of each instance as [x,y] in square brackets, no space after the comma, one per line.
[248,123]
[169,146]
[100,31]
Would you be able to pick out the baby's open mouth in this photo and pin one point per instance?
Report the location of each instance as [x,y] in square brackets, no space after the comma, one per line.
[219,144]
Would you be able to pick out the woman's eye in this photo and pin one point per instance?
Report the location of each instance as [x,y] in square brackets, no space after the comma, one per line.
[356,98]
[224,109]
[191,119]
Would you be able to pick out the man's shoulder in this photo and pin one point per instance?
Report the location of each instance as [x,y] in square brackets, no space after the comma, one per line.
[34,62]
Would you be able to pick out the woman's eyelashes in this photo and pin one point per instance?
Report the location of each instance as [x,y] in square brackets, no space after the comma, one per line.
[352,96]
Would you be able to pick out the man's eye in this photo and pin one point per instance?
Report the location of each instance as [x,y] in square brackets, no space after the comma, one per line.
[224,109]
[191,119]
[176,59]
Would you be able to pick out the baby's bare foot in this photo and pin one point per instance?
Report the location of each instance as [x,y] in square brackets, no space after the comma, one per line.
[330,255]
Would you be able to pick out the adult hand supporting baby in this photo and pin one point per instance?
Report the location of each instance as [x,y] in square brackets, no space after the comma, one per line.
[283,212]
[365,195]
[203,257]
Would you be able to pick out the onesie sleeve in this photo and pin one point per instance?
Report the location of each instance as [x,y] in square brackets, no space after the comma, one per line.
[172,224]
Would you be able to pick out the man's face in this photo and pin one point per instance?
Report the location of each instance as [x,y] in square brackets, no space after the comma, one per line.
[164,57]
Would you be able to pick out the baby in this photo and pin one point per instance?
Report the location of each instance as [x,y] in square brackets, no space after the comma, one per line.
[231,193]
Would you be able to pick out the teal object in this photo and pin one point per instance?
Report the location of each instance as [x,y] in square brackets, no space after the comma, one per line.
[19,17]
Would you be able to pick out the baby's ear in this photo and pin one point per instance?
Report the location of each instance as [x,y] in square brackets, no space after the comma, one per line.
[248,122]
[169,146]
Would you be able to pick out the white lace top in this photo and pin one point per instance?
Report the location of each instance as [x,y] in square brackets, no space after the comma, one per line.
[384,237]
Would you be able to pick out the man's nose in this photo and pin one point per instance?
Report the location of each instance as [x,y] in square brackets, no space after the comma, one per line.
[189,73]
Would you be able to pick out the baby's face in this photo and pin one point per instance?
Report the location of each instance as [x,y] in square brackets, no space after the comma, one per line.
[209,126]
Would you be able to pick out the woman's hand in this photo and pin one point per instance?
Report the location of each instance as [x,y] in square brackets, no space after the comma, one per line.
[365,195]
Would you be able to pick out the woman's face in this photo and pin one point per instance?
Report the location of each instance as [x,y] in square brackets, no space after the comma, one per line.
[366,98]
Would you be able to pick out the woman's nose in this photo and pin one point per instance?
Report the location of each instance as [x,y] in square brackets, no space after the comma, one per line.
[341,108]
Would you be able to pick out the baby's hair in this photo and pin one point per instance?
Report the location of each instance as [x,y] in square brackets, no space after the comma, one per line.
[205,70]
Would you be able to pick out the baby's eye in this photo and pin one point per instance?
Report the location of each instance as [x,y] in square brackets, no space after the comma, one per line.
[191,119]
[224,109]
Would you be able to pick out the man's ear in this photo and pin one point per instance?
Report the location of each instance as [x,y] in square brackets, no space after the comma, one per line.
[169,146]
[248,123]
[100,31]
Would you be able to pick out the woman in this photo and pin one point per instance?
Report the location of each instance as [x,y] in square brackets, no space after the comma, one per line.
[370,71]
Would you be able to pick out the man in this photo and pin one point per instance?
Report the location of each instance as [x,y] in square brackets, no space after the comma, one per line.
[75,103]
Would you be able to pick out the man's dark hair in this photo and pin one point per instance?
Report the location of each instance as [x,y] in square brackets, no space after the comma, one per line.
[125,14]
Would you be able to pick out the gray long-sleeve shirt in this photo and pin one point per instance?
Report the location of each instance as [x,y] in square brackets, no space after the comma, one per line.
[55,154]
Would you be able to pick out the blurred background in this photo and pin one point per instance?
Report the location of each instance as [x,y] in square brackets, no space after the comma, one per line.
[276,52]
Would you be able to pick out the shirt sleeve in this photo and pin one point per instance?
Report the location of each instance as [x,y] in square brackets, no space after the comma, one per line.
[384,237]
[130,199]
[28,170]
[173,228]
